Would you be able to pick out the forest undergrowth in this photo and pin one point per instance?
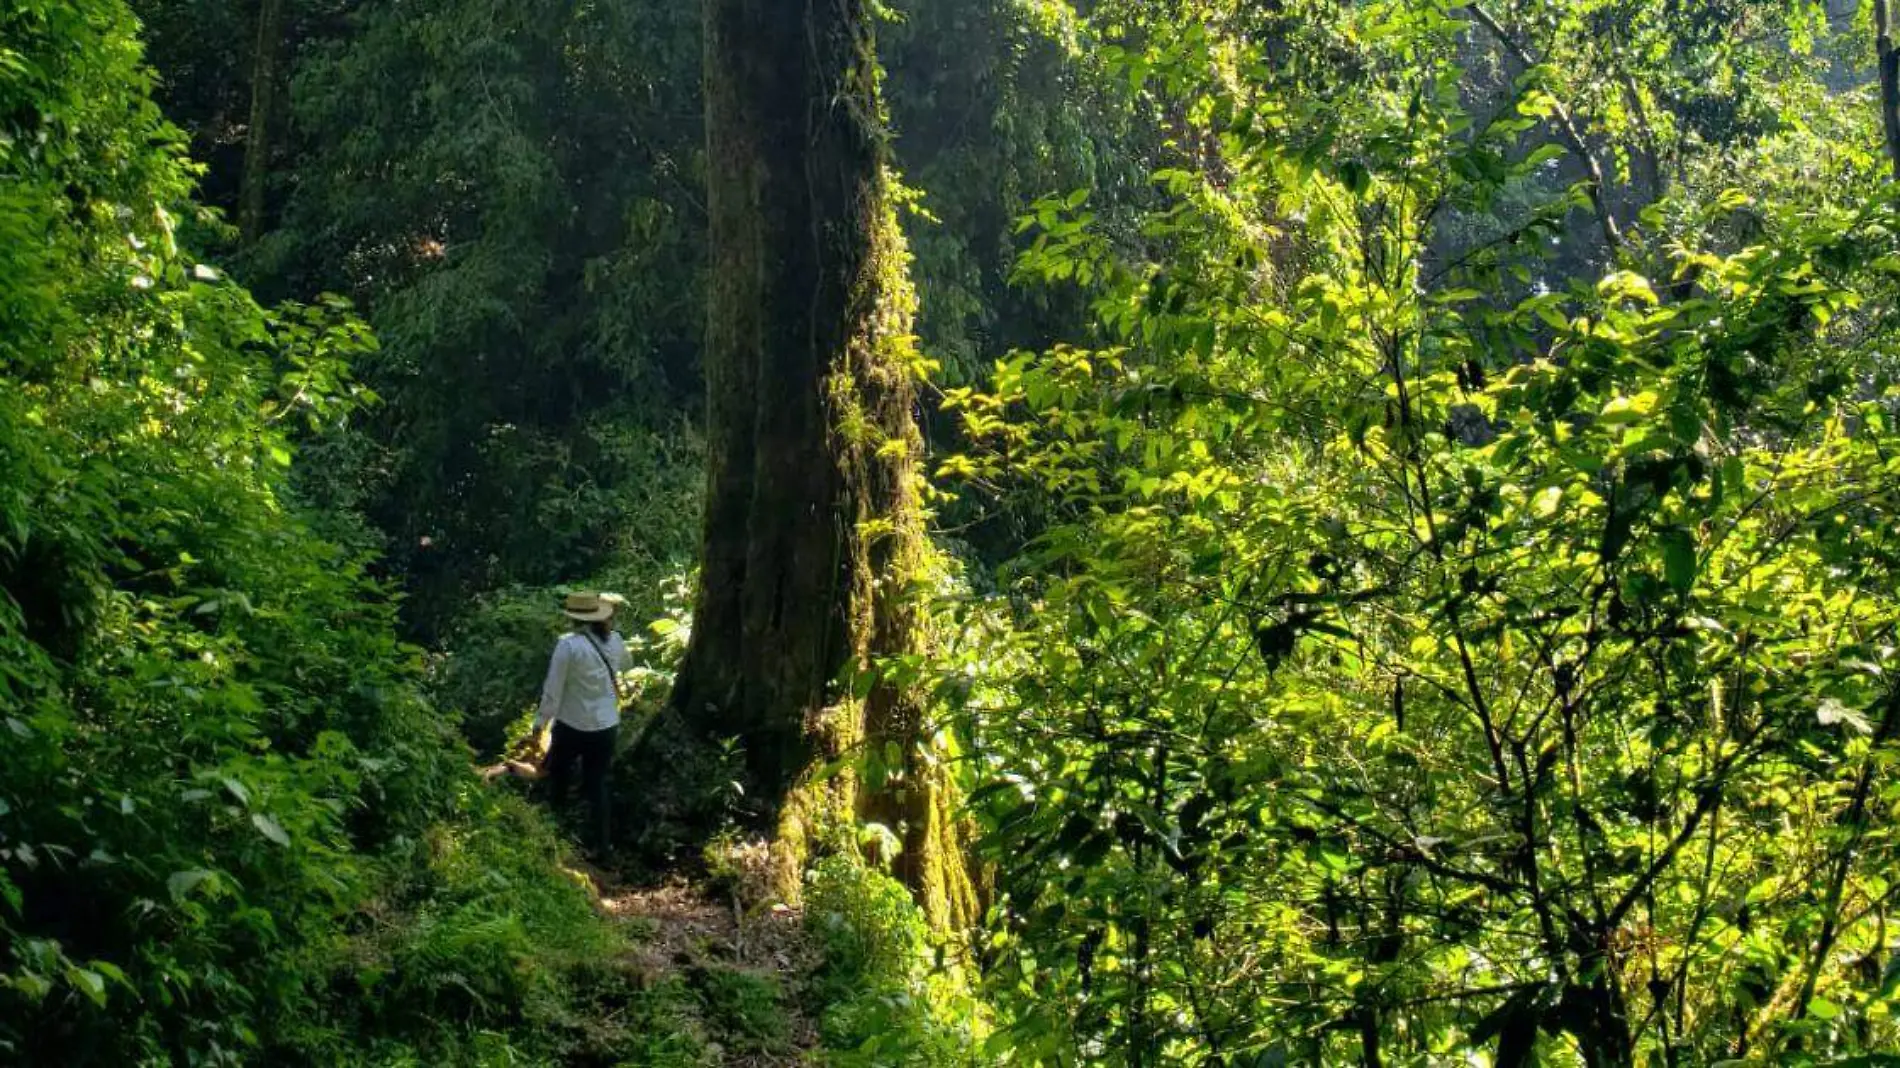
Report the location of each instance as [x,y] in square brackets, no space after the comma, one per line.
[233,827]
[1391,559]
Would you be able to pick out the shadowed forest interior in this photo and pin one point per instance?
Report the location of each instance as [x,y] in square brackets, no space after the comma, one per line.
[1226,533]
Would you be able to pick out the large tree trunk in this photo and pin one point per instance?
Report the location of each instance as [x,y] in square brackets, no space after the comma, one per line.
[265,83]
[1597,1017]
[813,531]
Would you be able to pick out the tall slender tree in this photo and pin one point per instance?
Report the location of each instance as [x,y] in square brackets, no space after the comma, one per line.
[266,81]
[813,527]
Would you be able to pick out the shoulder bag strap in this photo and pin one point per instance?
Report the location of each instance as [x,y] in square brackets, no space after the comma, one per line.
[612,678]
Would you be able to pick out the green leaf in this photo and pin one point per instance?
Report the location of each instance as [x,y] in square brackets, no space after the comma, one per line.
[1679,559]
[1356,176]
[270,828]
[1630,409]
[182,883]
[89,983]
[1833,713]
[1627,285]
[1551,316]
[1543,154]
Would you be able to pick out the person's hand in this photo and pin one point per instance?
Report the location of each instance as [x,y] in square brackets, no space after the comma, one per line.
[528,748]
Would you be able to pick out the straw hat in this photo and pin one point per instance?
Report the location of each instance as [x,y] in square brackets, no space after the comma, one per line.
[591,607]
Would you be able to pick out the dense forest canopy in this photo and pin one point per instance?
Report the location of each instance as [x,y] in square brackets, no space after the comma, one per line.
[1205,532]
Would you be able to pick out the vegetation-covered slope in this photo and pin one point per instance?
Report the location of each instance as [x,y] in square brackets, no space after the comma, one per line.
[231,831]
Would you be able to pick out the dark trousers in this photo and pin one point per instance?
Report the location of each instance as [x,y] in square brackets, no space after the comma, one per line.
[595,752]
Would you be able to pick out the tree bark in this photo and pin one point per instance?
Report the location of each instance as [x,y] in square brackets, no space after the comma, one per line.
[265,84]
[1596,1016]
[813,530]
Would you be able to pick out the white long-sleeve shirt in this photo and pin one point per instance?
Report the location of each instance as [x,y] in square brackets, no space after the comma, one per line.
[578,690]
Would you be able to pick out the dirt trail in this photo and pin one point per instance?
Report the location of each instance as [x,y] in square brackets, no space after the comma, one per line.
[683,930]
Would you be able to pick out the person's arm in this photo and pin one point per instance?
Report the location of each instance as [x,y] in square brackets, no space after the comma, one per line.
[623,660]
[551,689]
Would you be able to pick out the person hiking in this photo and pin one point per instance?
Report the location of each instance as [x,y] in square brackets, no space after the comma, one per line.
[581,698]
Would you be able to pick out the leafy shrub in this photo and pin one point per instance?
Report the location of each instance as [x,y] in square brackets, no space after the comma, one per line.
[1450,651]
[745,1008]
[231,829]
[480,931]
[883,999]
[662,818]
[207,711]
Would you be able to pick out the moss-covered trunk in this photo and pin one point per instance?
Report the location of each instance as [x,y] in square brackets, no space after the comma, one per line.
[813,530]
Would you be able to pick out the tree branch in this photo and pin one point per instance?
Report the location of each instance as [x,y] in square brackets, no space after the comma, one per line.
[1855,822]
[1709,798]
[1566,125]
